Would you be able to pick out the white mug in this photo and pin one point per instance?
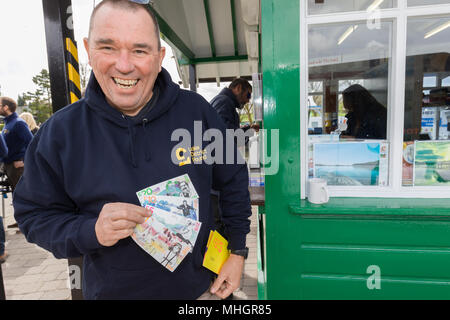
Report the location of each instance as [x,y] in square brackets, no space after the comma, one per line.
[317,191]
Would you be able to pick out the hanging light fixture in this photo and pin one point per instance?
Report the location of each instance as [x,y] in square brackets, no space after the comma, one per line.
[374,5]
[437,30]
[346,34]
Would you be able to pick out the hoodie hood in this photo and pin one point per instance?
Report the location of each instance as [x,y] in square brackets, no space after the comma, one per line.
[168,93]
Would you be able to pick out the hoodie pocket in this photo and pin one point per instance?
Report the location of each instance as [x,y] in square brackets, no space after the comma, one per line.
[132,284]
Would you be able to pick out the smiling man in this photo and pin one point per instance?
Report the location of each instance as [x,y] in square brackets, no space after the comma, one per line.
[127,57]
[78,197]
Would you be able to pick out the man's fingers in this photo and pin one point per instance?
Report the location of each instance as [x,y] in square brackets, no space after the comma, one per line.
[135,214]
[122,225]
[224,290]
[117,220]
[126,207]
[122,234]
[217,284]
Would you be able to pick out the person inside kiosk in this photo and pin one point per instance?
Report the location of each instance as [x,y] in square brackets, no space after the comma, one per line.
[366,117]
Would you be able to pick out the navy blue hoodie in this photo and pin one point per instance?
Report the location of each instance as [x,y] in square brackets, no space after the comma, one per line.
[89,154]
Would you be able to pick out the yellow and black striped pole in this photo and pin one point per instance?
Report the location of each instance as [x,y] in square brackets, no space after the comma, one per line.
[65,85]
[72,71]
[62,53]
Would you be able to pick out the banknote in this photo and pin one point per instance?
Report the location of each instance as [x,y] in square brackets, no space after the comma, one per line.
[186,207]
[180,186]
[161,243]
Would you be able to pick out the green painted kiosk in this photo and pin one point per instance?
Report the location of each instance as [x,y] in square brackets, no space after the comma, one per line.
[385,231]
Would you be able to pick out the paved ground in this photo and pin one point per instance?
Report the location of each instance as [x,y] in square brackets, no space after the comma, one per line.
[32,273]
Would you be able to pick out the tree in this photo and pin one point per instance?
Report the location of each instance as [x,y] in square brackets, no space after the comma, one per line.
[40,101]
[85,72]
[21,101]
[246,114]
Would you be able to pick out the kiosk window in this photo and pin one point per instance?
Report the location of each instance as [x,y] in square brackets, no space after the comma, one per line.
[413,3]
[446,82]
[426,153]
[333,6]
[347,133]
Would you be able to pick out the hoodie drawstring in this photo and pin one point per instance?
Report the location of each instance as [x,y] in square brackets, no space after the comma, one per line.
[147,152]
[130,135]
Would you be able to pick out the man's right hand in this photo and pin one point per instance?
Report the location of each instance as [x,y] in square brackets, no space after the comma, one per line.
[116,221]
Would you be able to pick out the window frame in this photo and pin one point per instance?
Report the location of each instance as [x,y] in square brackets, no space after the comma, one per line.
[396,97]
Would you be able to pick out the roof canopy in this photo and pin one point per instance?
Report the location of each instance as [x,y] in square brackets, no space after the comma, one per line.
[219,37]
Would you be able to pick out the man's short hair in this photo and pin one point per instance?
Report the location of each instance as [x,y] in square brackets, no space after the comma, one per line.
[11,103]
[245,85]
[127,5]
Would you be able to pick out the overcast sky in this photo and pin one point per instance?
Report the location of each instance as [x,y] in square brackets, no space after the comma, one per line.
[23,51]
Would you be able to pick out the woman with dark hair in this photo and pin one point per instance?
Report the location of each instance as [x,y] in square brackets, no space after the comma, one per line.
[366,117]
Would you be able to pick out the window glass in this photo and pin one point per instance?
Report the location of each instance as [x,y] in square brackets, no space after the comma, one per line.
[352,61]
[412,3]
[426,156]
[315,86]
[315,111]
[429,81]
[446,82]
[332,6]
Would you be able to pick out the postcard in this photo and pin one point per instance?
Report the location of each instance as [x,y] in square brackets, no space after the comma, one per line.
[349,163]
[432,163]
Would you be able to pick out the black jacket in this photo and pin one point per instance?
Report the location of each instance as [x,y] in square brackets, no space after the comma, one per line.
[225,103]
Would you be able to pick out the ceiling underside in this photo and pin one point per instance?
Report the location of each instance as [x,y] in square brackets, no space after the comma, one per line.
[219,37]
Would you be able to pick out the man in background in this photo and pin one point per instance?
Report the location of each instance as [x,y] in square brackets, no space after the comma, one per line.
[226,103]
[14,141]
[236,96]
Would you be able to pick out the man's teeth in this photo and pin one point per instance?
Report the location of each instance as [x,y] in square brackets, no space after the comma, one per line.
[125,83]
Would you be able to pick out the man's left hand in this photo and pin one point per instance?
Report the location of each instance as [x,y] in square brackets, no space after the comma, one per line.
[229,277]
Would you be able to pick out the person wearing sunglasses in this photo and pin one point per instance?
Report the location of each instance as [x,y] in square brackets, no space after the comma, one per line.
[236,96]
[77,196]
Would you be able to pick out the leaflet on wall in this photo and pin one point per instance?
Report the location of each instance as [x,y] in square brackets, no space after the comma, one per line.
[352,163]
[444,124]
[408,163]
[432,163]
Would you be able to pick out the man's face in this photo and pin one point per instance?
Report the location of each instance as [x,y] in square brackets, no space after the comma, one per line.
[243,96]
[184,188]
[3,110]
[124,56]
